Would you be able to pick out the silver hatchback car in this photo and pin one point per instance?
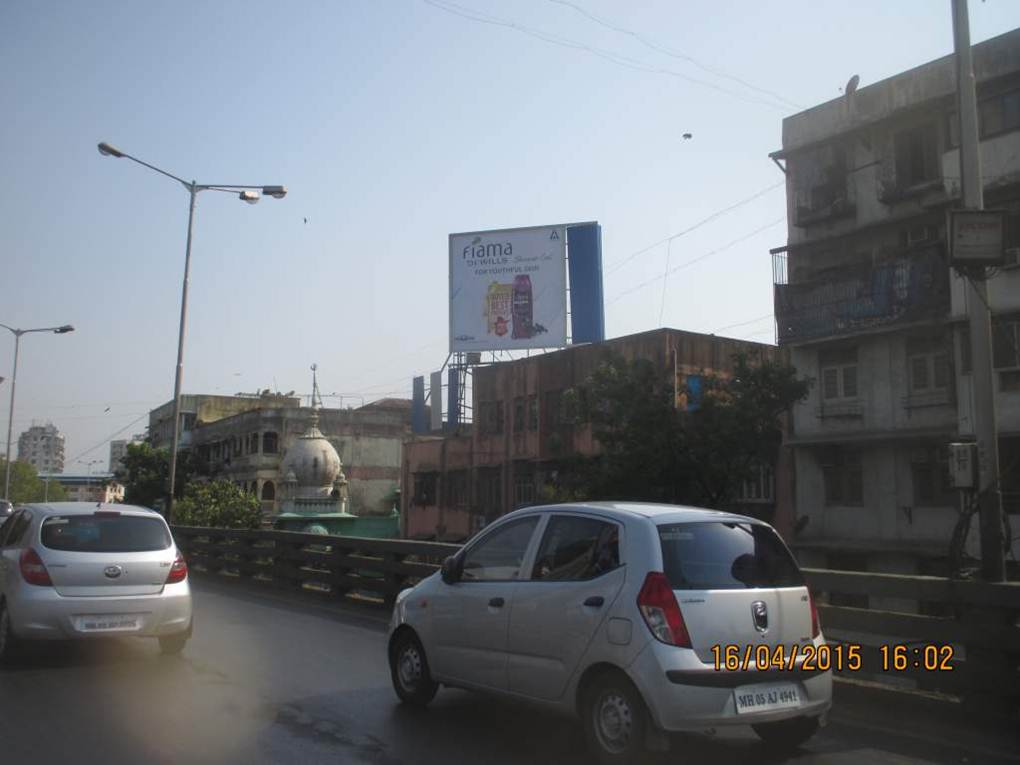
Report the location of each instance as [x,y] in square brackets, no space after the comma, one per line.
[78,570]
[641,619]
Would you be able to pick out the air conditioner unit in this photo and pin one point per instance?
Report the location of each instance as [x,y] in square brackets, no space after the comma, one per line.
[963,465]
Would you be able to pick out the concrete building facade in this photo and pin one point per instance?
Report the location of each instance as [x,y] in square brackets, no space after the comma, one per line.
[118,450]
[520,437]
[867,305]
[249,447]
[95,487]
[42,446]
[200,409]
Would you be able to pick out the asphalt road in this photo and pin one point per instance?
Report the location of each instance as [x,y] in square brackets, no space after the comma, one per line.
[265,680]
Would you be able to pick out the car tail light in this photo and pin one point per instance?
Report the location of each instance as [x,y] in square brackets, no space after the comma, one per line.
[178,571]
[33,570]
[107,514]
[816,626]
[661,612]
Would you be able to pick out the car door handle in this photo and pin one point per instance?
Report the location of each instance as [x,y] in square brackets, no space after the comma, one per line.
[496,602]
[595,601]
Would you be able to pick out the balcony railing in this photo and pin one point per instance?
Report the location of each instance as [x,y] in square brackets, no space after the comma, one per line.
[859,298]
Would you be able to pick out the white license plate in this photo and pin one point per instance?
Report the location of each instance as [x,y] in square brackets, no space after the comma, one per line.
[763,698]
[107,623]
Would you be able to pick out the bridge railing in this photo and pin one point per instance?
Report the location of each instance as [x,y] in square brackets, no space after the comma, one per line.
[978,620]
[334,566]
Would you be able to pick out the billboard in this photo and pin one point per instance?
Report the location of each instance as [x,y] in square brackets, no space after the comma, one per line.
[508,289]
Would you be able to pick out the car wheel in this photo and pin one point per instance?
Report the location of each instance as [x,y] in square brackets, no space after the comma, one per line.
[9,644]
[409,670]
[171,645]
[614,720]
[787,734]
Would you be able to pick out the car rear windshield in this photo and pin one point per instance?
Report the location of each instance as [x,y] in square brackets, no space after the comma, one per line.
[726,556]
[105,533]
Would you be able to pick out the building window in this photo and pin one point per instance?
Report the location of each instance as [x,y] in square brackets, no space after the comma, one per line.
[524,488]
[519,414]
[998,114]
[760,487]
[929,468]
[838,374]
[843,475]
[456,494]
[425,489]
[492,415]
[268,491]
[533,413]
[270,443]
[1006,352]
[1009,470]
[490,492]
[928,366]
[916,156]
[552,412]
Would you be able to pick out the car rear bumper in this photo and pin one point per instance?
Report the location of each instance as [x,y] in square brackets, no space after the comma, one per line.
[39,613]
[688,698]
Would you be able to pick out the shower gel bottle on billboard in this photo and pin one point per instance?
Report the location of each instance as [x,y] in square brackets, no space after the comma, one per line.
[523,307]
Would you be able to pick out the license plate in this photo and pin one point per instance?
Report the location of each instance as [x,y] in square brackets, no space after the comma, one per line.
[763,698]
[108,623]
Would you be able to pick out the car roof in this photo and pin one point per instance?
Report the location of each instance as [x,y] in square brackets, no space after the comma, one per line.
[84,508]
[655,512]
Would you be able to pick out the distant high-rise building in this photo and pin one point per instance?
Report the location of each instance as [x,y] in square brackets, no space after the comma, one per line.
[118,450]
[42,446]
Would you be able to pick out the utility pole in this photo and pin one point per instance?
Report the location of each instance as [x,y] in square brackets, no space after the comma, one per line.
[993,565]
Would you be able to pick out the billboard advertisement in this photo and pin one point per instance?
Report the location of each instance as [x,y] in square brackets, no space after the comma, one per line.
[508,289]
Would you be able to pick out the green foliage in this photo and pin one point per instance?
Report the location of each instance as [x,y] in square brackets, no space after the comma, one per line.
[218,504]
[654,451]
[145,473]
[26,486]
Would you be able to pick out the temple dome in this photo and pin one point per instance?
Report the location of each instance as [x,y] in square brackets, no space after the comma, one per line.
[313,461]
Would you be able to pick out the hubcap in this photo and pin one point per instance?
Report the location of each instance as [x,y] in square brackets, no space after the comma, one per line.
[409,668]
[613,722]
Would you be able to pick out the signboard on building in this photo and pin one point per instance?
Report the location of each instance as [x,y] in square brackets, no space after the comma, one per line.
[508,289]
[976,237]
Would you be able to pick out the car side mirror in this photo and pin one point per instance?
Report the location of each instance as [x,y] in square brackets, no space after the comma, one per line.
[450,570]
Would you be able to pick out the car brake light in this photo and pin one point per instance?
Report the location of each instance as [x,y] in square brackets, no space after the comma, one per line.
[816,626]
[107,513]
[178,571]
[661,612]
[33,570]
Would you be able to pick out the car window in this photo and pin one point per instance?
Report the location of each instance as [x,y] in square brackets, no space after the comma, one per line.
[105,533]
[575,548]
[500,555]
[726,556]
[15,528]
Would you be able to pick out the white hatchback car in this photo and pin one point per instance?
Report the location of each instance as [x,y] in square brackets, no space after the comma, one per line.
[78,570]
[627,615]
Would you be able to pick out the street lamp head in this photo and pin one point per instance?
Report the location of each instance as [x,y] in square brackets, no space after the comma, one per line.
[109,151]
[276,192]
[251,197]
[64,329]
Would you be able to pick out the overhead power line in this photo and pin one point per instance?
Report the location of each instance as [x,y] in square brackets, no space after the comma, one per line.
[698,259]
[719,213]
[615,58]
[674,53]
[106,440]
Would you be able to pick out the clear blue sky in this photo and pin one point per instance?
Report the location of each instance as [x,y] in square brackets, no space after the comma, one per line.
[392,123]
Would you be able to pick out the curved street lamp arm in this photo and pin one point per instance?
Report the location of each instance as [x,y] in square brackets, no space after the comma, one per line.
[158,170]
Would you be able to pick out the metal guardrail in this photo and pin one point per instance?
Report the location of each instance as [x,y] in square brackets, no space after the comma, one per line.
[980,620]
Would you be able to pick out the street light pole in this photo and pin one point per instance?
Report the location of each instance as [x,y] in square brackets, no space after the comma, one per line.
[246,193]
[61,330]
[993,564]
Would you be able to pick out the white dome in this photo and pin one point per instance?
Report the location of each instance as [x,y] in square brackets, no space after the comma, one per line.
[313,461]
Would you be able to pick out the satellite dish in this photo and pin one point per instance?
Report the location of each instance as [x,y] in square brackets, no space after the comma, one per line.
[851,85]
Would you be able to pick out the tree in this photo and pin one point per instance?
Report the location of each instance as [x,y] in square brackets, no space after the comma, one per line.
[145,473]
[218,504]
[26,486]
[654,450]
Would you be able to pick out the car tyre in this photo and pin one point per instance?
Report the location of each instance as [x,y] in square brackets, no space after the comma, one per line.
[615,720]
[9,644]
[409,670]
[787,735]
[171,645]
